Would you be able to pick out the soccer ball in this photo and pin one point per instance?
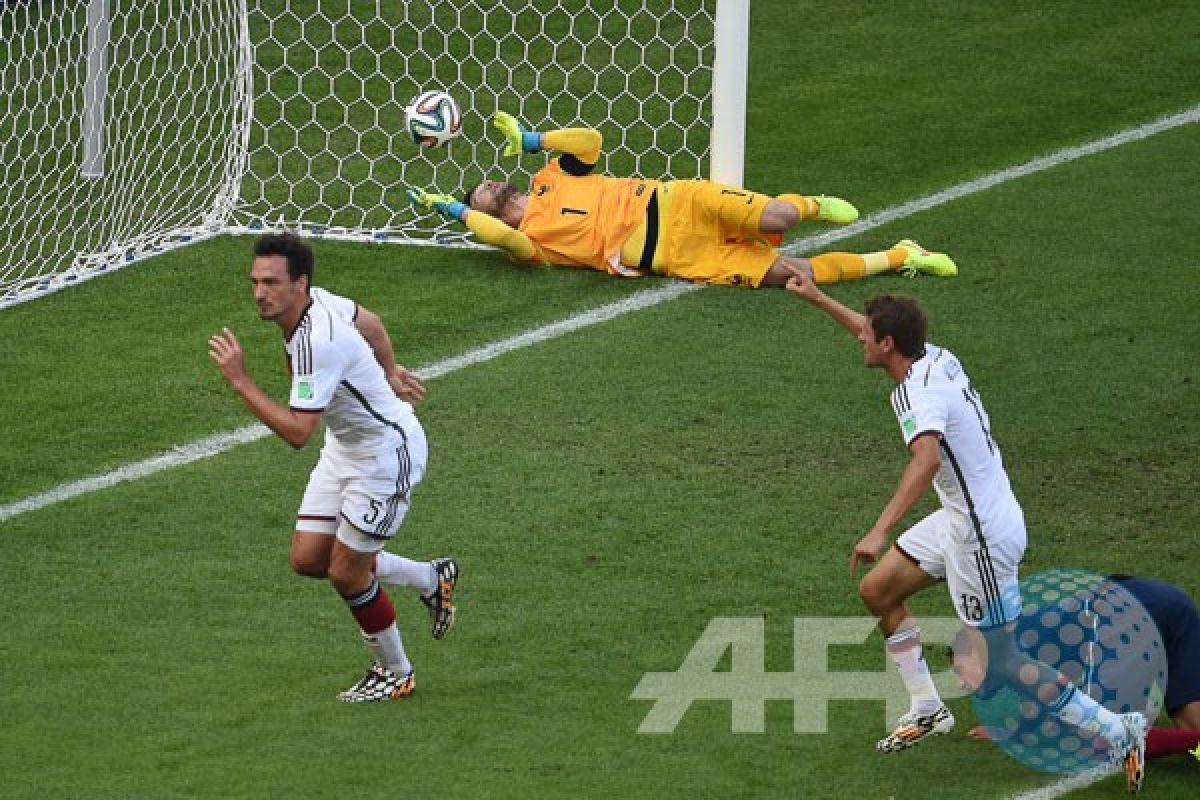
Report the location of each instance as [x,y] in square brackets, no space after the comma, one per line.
[433,118]
[1097,634]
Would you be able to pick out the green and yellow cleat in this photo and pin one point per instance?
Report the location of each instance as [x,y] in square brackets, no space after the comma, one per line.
[920,260]
[835,209]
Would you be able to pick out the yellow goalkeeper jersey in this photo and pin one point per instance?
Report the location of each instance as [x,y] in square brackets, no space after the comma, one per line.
[582,220]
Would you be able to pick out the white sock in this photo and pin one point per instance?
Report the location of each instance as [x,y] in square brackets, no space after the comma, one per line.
[1079,710]
[388,650]
[905,649]
[400,571]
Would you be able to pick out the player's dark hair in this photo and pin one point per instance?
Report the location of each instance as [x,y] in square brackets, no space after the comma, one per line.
[297,252]
[901,318]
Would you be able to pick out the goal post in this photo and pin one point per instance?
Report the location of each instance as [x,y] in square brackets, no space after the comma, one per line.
[95,89]
[730,75]
[137,126]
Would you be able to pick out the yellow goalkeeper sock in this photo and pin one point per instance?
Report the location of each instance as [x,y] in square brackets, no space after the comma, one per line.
[808,207]
[838,267]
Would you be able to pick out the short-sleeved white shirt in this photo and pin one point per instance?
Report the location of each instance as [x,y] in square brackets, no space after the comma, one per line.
[937,396]
[334,371]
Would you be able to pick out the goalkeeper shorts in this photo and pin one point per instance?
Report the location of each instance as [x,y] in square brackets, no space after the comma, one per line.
[710,234]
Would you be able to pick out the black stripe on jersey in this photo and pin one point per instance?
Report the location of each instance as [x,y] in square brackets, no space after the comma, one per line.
[382,419]
[929,369]
[987,572]
[975,523]
[969,396]
[304,357]
[329,315]
[900,401]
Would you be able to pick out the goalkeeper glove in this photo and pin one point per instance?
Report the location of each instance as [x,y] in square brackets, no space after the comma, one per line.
[442,203]
[518,138]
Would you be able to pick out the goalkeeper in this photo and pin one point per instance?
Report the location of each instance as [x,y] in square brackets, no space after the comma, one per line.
[696,230]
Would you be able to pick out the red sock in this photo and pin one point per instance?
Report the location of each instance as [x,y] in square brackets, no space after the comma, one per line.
[1168,741]
[372,608]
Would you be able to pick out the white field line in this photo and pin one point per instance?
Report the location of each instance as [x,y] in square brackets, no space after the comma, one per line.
[1058,158]
[1080,780]
[219,443]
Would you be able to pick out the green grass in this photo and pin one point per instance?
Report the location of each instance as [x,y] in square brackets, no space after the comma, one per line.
[609,492]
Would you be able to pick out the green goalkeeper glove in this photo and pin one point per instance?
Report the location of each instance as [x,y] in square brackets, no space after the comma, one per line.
[442,203]
[518,138]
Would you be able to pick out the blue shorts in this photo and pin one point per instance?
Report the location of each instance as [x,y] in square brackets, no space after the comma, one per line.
[1178,623]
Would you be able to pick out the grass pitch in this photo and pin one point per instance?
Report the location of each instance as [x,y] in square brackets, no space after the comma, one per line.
[610,492]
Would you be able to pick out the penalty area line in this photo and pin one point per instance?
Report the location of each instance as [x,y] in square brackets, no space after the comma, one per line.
[221,442]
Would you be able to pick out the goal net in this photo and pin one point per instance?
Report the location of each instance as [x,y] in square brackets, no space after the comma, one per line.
[135,126]
[119,133]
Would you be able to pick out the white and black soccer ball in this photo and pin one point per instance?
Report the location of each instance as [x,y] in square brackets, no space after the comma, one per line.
[433,118]
[1099,636]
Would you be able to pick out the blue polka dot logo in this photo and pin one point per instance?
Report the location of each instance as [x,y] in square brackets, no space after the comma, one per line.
[1074,626]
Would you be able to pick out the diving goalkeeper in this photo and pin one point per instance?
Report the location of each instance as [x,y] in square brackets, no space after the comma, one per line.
[696,230]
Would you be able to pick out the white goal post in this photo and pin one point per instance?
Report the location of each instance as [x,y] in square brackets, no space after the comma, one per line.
[132,127]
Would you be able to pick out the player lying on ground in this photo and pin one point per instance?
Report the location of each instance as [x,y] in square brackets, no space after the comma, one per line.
[1178,621]
[974,542]
[696,230]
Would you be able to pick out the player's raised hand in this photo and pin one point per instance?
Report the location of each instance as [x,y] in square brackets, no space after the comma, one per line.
[512,130]
[444,204]
[226,352]
[867,550]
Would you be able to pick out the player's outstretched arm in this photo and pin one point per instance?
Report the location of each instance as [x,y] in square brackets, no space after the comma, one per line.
[487,228]
[802,285]
[443,204]
[583,143]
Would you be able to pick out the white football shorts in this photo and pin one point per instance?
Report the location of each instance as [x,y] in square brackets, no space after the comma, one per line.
[362,496]
[980,571]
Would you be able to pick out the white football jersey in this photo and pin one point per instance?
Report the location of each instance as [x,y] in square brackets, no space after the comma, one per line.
[937,396]
[334,371]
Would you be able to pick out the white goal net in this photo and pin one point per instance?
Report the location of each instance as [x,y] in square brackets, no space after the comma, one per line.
[130,127]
